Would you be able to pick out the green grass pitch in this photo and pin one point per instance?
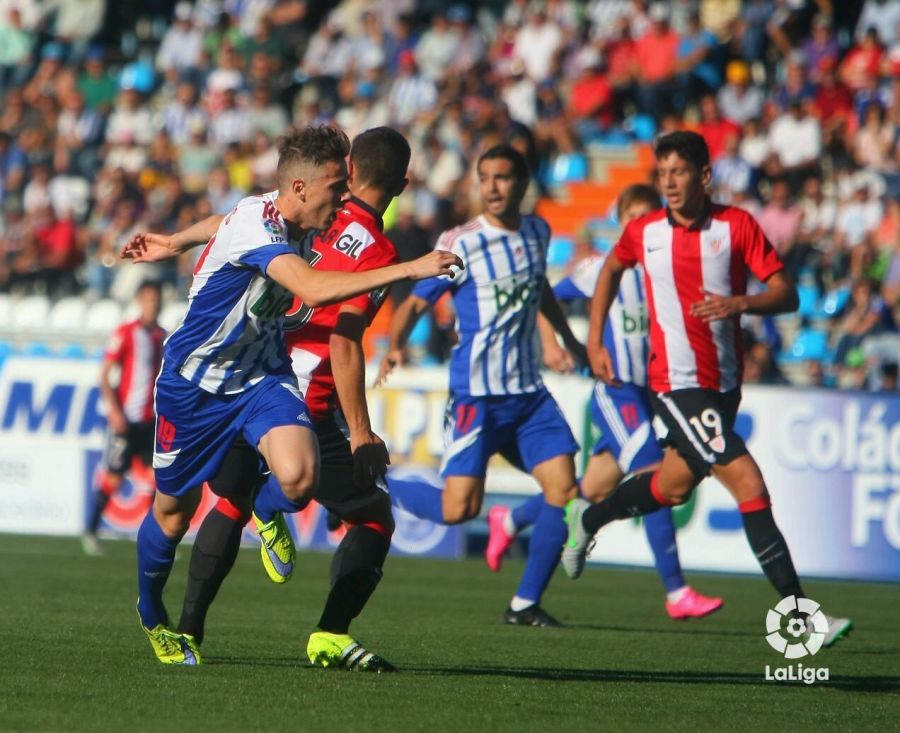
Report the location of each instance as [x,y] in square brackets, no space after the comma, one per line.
[74,658]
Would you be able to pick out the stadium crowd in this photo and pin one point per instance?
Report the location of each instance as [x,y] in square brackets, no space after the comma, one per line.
[112,123]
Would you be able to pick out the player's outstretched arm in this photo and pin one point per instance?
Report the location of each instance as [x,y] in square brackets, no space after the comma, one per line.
[780,296]
[402,324]
[151,247]
[324,287]
[551,310]
[604,293]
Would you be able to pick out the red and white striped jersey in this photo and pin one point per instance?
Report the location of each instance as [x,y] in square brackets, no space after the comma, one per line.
[137,350]
[714,254]
[353,243]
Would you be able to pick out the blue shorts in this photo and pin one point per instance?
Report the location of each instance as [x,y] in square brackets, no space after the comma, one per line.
[528,426]
[624,417]
[195,429]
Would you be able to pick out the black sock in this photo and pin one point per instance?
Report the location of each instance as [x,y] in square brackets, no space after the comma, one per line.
[101,499]
[215,550]
[355,573]
[771,551]
[631,498]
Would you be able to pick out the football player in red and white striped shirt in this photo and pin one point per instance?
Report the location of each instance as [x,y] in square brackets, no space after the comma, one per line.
[136,350]
[696,257]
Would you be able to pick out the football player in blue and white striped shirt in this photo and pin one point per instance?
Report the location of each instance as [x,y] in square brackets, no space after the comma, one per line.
[498,403]
[226,370]
[621,414]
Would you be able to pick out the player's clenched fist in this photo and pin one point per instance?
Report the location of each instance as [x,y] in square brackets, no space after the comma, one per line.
[434,264]
[601,364]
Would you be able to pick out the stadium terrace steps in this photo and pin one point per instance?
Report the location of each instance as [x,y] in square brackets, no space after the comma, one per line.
[613,168]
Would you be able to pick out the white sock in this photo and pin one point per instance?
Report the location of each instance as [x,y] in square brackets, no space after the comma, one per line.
[509,526]
[520,604]
[677,595]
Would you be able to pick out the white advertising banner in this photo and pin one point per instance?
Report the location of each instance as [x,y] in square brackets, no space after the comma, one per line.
[831,460]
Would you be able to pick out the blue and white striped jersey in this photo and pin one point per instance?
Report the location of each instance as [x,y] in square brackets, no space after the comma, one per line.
[627,327]
[496,299]
[231,335]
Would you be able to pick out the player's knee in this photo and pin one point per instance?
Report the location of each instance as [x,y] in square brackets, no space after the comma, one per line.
[297,480]
[459,512]
[676,491]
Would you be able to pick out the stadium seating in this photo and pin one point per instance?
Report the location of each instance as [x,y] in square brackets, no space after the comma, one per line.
[102,317]
[30,313]
[172,314]
[68,315]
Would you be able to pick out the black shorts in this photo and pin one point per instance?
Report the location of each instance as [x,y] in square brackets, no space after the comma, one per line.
[699,424]
[122,448]
[337,492]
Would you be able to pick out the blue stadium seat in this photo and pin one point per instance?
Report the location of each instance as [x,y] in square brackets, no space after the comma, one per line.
[809,297]
[560,251]
[833,303]
[643,127]
[568,168]
[37,348]
[72,351]
[808,344]
[420,333]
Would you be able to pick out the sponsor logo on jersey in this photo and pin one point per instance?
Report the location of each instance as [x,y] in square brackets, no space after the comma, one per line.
[518,296]
[353,240]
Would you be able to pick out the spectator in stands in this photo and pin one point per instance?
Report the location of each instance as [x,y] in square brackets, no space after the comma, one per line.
[436,47]
[795,138]
[620,54]
[862,62]
[411,93]
[538,43]
[833,103]
[857,220]
[866,315]
[780,218]
[739,100]
[881,15]
[13,165]
[873,144]
[59,252]
[814,239]
[78,135]
[731,173]
[591,97]
[656,54]
[471,48]
[697,70]
[16,45]
[411,241]
[715,128]
[182,45]
[821,50]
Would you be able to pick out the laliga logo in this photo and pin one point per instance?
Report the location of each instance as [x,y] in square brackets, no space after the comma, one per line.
[800,636]
[815,623]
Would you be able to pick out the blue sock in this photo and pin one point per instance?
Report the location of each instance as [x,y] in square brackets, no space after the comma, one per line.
[546,546]
[660,529]
[418,497]
[271,499]
[526,514]
[156,553]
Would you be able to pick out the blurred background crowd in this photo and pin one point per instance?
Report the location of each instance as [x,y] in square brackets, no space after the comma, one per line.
[121,117]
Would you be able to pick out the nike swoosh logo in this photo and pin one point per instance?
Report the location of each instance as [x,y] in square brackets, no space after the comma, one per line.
[283,568]
[655,249]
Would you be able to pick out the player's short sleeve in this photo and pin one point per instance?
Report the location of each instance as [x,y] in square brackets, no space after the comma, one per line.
[258,238]
[433,288]
[115,348]
[581,283]
[758,253]
[629,249]
[380,254]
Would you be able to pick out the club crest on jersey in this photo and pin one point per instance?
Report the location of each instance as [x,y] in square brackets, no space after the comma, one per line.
[716,244]
[353,240]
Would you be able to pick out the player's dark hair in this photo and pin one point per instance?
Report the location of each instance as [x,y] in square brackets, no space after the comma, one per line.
[149,285]
[312,146]
[507,152]
[380,157]
[642,193]
[687,145]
